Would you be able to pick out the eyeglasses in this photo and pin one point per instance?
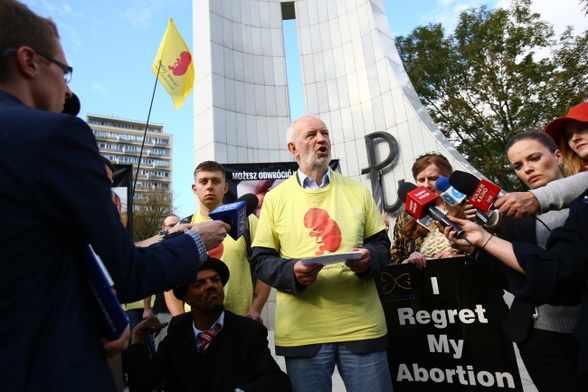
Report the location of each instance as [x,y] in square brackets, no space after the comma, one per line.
[67,70]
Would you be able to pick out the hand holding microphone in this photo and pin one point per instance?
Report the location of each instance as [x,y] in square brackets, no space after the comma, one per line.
[236,214]
[481,194]
[453,197]
[421,201]
[212,232]
[518,204]
[477,236]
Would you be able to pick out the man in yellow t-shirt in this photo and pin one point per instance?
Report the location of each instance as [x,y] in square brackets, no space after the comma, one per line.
[241,295]
[325,314]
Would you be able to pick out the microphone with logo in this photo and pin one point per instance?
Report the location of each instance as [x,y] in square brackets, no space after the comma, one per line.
[481,194]
[451,195]
[421,201]
[235,214]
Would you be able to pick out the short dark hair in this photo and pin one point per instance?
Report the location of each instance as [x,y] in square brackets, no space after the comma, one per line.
[542,137]
[19,26]
[210,166]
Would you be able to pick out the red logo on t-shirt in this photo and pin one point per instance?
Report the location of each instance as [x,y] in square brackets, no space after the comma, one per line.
[217,252]
[325,229]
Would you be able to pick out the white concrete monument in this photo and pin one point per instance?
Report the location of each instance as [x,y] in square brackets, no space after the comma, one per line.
[352,78]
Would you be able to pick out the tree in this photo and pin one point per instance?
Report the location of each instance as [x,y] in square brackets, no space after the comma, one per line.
[149,210]
[499,73]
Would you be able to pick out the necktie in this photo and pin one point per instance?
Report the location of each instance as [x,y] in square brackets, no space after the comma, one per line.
[206,337]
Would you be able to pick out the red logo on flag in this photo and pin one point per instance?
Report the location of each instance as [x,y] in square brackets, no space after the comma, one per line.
[181,65]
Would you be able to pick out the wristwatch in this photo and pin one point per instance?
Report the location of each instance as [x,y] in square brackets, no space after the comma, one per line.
[162,235]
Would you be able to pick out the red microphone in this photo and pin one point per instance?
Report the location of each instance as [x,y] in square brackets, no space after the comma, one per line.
[482,193]
[420,202]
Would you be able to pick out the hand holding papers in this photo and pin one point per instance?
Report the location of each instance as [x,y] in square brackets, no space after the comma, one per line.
[332,258]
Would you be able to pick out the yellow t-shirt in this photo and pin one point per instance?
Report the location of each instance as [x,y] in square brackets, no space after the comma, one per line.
[239,288]
[137,304]
[301,223]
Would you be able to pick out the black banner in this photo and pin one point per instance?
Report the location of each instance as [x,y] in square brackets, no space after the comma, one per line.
[259,178]
[122,180]
[445,328]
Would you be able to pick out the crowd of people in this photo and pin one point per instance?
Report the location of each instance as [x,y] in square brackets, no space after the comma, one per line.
[328,314]
[545,252]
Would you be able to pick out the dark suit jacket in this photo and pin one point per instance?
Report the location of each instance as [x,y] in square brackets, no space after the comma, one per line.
[238,357]
[54,197]
[559,274]
[519,321]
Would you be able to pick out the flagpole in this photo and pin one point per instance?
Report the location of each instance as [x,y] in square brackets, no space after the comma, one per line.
[172,37]
[145,132]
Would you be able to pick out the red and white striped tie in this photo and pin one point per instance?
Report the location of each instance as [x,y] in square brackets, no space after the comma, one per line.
[206,337]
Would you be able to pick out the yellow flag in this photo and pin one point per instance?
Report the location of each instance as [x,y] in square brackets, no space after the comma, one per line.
[174,63]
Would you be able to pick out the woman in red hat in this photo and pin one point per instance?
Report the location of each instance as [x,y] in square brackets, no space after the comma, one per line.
[571,135]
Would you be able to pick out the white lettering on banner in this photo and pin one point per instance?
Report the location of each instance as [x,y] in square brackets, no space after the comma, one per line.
[459,375]
[434,285]
[262,175]
[442,345]
[244,176]
[441,317]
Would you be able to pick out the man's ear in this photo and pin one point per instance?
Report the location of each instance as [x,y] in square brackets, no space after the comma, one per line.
[292,148]
[25,58]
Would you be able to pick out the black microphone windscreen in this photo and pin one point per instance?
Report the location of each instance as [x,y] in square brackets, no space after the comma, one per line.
[403,190]
[251,200]
[464,182]
[71,105]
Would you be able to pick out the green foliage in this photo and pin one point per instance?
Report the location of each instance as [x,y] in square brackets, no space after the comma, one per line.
[499,73]
[149,210]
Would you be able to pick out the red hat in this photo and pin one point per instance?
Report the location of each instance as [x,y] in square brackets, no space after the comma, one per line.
[578,113]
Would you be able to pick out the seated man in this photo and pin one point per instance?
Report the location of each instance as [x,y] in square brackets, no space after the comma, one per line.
[208,349]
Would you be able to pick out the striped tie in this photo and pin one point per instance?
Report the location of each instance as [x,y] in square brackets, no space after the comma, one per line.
[206,337]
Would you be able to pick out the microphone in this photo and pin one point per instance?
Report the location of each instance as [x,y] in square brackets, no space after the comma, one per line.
[482,195]
[451,195]
[71,105]
[235,214]
[421,201]
[251,200]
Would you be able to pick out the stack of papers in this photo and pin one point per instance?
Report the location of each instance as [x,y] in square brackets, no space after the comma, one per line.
[332,258]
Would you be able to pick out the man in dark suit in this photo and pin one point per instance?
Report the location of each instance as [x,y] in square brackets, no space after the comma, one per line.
[55,200]
[233,357]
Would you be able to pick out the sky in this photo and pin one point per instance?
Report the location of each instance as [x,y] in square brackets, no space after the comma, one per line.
[111,45]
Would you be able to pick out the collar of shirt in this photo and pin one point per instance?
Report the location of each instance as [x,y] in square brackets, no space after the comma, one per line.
[309,183]
[220,321]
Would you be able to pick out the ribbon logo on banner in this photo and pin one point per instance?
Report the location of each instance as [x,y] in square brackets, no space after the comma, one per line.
[391,282]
